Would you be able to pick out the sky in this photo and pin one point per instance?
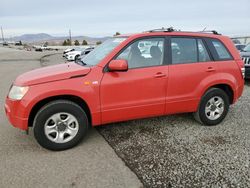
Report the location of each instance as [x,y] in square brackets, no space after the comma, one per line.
[105,17]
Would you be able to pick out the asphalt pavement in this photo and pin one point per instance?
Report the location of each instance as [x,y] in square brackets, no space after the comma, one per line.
[23,163]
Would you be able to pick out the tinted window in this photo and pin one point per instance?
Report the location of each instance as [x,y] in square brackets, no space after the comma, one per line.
[203,54]
[144,53]
[240,47]
[184,50]
[221,50]
[247,48]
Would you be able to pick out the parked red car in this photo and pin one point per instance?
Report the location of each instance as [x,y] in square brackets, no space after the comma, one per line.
[127,77]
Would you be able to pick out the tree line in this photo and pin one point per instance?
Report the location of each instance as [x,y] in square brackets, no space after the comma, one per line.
[68,42]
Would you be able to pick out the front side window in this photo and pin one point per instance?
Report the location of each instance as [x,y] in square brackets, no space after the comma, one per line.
[144,53]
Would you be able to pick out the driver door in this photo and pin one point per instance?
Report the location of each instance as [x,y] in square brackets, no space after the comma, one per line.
[140,91]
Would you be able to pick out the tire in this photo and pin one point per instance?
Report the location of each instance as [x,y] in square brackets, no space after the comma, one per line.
[76,57]
[215,112]
[60,125]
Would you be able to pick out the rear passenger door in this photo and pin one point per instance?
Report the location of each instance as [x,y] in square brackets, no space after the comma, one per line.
[191,64]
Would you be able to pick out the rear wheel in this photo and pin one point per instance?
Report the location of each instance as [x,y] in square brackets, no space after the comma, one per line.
[213,107]
[60,125]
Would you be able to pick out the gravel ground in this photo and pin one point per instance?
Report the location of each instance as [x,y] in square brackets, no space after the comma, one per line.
[52,59]
[176,151]
[11,54]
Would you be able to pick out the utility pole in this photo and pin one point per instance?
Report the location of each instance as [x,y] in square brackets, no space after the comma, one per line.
[2,33]
[70,36]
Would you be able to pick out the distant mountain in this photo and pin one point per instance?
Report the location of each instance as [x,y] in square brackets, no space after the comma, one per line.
[44,37]
[33,37]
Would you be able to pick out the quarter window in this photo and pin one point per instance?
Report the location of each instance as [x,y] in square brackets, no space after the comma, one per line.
[221,50]
[144,53]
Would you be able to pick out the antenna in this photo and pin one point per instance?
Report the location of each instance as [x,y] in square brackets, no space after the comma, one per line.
[204,29]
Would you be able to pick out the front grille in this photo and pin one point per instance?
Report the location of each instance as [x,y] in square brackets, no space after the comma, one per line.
[246,60]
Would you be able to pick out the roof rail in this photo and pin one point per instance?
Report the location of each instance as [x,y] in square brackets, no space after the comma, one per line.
[169,29]
[210,31]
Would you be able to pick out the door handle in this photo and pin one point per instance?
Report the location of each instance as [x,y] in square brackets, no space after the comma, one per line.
[210,69]
[159,75]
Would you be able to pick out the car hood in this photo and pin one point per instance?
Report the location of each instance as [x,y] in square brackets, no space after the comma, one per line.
[51,73]
[243,54]
[67,50]
[74,52]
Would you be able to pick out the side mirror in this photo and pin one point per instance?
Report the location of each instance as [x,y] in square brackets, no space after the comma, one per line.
[118,65]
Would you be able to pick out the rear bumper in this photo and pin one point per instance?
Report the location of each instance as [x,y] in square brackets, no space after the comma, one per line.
[238,92]
[13,111]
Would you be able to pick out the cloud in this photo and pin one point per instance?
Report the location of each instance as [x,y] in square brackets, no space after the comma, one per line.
[97,18]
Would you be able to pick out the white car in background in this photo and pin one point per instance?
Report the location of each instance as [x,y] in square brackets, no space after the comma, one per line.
[74,55]
[67,51]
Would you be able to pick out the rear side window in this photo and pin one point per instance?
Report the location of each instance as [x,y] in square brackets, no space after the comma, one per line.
[221,50]
[188,50]
[184,50]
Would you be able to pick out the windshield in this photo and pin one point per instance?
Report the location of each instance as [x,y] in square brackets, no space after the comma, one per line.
[79,49]
[247,48]
[101,51]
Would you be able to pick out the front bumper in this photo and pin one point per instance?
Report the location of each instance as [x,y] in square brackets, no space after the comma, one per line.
[69,57]
[13,110]
[247,72]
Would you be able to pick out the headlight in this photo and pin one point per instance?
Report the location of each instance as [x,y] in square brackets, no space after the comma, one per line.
[17,92]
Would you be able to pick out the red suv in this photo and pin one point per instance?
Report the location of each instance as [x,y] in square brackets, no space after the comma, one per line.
[127,77]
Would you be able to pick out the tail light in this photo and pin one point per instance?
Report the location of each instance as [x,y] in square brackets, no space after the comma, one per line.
[243,72]
[241,66]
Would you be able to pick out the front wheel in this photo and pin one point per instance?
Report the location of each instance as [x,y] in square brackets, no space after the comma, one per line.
[60,125]
[77,57]
[213,107]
